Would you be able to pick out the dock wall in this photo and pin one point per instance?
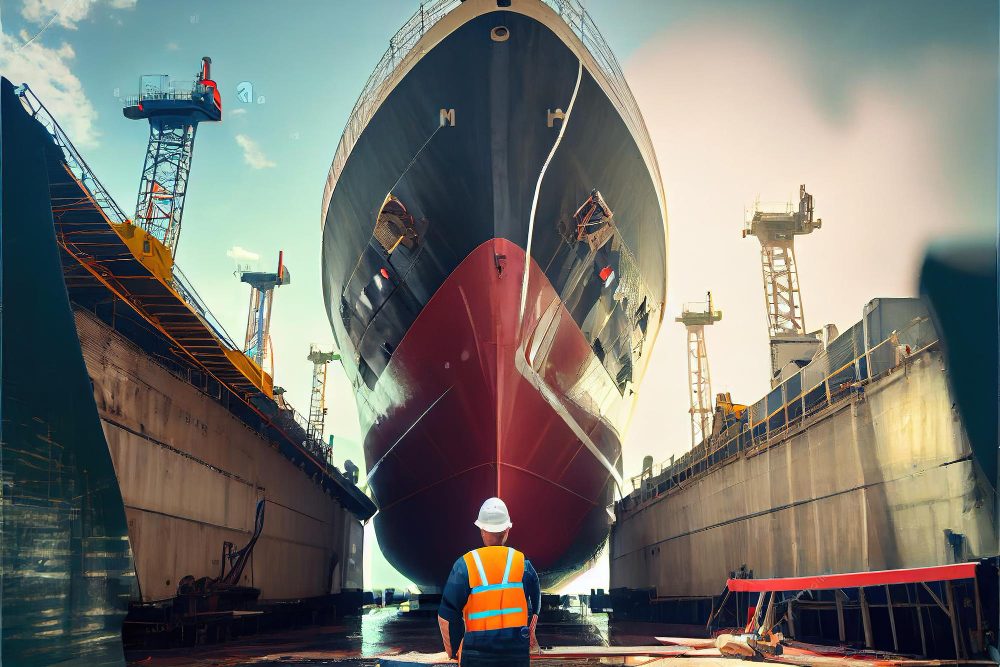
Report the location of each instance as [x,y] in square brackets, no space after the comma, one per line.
[191,475]
[884,479]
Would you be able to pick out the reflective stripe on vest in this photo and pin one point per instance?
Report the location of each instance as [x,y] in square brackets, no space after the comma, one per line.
[494,606]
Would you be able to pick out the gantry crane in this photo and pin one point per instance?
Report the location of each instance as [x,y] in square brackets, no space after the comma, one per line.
[262,284]
[695,317]
[776,232]
[317,397]
[173,114]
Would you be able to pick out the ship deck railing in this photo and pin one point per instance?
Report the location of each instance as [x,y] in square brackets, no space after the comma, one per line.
[788,408]
[194,94]
[401,46]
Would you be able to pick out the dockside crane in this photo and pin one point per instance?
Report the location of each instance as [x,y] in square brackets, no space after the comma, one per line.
[262,284]
[174,113]
[317,396]
[776,231]
[695,317]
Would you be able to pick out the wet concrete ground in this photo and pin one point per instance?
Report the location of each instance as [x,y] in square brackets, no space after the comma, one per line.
[358,641]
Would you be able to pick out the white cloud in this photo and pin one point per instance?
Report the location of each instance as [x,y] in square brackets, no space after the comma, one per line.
[238,111]
[66,13]
[173,46]
[47,72]
[730,118]
[252,154]
[241,254]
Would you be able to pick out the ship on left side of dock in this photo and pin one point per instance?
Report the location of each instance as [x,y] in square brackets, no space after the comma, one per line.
[148,469]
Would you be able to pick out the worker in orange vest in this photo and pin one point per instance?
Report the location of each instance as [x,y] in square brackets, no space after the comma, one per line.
[494,595]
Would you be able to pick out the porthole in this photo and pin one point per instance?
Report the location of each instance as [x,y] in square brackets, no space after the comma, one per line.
[500,34]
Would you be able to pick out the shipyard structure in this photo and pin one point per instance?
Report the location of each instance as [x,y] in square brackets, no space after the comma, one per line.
[859,462]
[494,269]
[149,466]
[857,469]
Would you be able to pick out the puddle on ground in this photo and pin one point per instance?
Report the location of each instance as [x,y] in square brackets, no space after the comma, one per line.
[357,642]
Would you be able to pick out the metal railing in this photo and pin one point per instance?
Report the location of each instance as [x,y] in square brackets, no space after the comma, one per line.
[799,398]
[401,48]
[85,175]
[197,92]
[77,165]
[193,299]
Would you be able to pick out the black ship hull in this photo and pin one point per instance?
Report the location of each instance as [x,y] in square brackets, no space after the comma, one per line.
[461,206]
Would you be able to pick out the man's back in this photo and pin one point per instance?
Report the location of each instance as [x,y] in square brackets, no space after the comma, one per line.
[490,597]
[490,603]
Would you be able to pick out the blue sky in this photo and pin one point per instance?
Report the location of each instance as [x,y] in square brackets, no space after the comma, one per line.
[887,110]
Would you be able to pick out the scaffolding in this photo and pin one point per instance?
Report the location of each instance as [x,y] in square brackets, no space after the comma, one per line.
[695,317]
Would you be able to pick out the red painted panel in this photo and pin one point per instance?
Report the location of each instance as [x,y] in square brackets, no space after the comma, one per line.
[462,422]
[855,579]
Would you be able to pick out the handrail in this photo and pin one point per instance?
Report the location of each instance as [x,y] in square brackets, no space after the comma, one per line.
[429,13]
[74,160]
[180,283]
[85,175]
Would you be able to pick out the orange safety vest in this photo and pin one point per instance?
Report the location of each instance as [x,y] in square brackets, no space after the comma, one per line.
[497,599]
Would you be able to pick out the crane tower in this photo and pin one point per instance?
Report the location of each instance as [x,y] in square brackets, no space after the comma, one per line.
[173,112]
[262,284]
[776,231]
[695,317]
[317,397]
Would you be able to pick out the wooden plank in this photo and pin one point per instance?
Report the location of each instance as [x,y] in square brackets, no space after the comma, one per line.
[892,619]
[953,615]
[866,619]
[837,596]
[564,652]
[980,632]
[557,653]
[920,619]
[693,642]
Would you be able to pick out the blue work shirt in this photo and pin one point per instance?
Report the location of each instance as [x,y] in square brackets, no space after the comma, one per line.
[507,640]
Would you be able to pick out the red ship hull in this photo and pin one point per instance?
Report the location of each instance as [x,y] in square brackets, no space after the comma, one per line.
[481,401]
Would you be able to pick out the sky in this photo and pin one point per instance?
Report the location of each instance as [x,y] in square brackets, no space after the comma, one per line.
[886,110]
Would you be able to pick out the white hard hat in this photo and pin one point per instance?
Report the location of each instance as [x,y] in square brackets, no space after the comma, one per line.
[493,516]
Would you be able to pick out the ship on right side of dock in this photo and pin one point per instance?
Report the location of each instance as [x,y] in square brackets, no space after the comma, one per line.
[858,460]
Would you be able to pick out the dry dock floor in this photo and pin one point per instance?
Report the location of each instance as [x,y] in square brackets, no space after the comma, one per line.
[360,642]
